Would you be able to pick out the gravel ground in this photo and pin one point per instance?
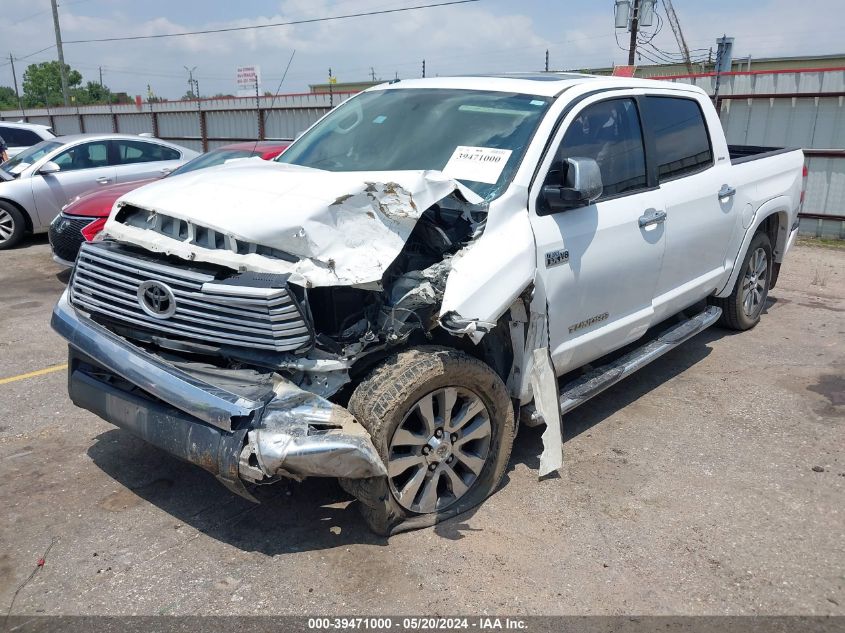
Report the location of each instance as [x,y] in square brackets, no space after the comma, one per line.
[713,482]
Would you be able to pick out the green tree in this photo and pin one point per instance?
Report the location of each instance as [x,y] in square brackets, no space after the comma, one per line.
[8,99]
[42,84]
[95,93]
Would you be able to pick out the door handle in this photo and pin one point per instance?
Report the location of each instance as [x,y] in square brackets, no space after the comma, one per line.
[655,217]
[166,170]
[103,180]
[726,191]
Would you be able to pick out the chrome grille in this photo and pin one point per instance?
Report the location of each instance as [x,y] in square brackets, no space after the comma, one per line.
[107,282]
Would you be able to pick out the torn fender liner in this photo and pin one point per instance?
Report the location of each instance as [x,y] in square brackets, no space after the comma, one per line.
[544,385]
[302,434]
[342,228]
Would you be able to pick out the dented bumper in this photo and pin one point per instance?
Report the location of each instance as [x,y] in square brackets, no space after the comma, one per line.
[290,432]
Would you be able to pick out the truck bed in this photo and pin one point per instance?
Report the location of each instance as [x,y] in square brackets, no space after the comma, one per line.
[745,153]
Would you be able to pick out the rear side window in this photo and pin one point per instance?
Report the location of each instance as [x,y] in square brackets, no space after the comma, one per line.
[16,137]
[609,132]
[680,133]
[129,152]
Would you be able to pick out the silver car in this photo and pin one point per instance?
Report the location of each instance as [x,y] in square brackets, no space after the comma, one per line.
[39,181]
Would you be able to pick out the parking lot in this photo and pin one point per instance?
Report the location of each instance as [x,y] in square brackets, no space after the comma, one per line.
[712,482]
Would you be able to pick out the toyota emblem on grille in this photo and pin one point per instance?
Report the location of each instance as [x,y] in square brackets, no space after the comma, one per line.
[156,299]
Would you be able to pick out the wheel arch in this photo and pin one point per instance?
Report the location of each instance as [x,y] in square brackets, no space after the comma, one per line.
[26,217]
[773,218]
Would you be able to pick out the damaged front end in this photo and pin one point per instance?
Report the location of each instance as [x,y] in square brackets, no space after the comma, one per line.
[239,357]
[244,426]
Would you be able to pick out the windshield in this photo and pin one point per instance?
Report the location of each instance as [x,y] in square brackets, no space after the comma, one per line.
[27,157]
[210,159]
[475,137]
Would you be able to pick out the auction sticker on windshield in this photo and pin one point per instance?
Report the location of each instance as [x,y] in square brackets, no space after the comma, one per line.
[479,164]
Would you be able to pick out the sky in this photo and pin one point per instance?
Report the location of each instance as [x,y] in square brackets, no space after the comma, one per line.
[486,36]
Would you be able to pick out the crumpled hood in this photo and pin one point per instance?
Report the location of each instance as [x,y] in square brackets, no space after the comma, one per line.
[345,227]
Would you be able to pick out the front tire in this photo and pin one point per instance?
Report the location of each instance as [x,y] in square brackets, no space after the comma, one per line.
[443,424]
[12,226]
[741,310]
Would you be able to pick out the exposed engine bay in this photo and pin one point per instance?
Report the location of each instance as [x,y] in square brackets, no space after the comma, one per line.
[334,328]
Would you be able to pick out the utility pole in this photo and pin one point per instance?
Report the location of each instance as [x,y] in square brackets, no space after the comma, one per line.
[101,75]
[62,68]
[191,79]
[635,23]
[15,80]
[423,69]
[547,60]
[331,90]
[373,73]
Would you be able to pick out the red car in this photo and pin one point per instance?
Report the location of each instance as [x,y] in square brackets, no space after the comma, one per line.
[85,217]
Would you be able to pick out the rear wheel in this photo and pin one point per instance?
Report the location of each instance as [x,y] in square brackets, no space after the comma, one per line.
[12,225]
[443,423]
[742,309]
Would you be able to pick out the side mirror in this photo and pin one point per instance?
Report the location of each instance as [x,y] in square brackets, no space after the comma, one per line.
[581,186]
[49,168]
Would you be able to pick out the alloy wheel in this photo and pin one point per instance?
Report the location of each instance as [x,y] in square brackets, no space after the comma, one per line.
[439,450]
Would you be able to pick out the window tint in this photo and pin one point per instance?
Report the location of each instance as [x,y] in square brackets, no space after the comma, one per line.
[680,134]
[130,152]
[211,159]
[16,137]
[84,156]
[609,132]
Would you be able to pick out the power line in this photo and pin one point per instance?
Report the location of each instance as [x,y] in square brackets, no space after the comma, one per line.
[266,26]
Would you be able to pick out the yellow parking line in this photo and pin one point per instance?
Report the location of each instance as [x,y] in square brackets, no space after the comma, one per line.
[33,374]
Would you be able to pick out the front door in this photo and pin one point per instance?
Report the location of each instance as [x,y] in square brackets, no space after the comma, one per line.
[598,265]
[83,167]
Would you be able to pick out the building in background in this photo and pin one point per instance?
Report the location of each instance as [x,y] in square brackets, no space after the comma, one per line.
[739,64]
[348,86]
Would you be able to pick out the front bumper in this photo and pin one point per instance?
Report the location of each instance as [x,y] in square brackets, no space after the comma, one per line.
[291,432]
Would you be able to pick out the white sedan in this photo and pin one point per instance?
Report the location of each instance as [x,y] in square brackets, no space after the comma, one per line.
[39,181]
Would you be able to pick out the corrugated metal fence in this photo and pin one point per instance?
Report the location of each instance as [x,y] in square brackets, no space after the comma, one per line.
[796,108]
[200,124]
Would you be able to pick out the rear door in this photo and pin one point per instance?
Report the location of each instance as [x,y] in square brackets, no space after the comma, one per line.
[83,167]
[702,207]
[596,264]
[137,159]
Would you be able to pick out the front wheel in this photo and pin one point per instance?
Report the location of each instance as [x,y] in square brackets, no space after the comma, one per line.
[12,225]
[444,425]
[742,309]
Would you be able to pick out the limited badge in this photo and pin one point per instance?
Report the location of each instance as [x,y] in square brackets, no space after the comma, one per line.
[556,258]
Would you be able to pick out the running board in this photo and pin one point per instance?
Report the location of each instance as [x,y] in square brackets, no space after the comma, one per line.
[594,382]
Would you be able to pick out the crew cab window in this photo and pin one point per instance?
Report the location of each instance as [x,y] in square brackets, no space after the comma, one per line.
[84,156]
[16,137]
[130,152]
[608,132]
[680,134]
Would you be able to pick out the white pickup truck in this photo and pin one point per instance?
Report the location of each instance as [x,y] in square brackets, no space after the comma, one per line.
[431,263]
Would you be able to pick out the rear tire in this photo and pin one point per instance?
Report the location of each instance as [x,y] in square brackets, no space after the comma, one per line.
[12,225]
[741,310]
[443,423]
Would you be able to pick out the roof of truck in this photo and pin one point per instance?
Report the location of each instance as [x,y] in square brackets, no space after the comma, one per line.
[542,84]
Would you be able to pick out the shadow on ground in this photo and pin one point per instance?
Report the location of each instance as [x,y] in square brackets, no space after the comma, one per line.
[317,514]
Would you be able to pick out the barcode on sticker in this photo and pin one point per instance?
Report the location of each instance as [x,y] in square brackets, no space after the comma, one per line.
[479,164]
